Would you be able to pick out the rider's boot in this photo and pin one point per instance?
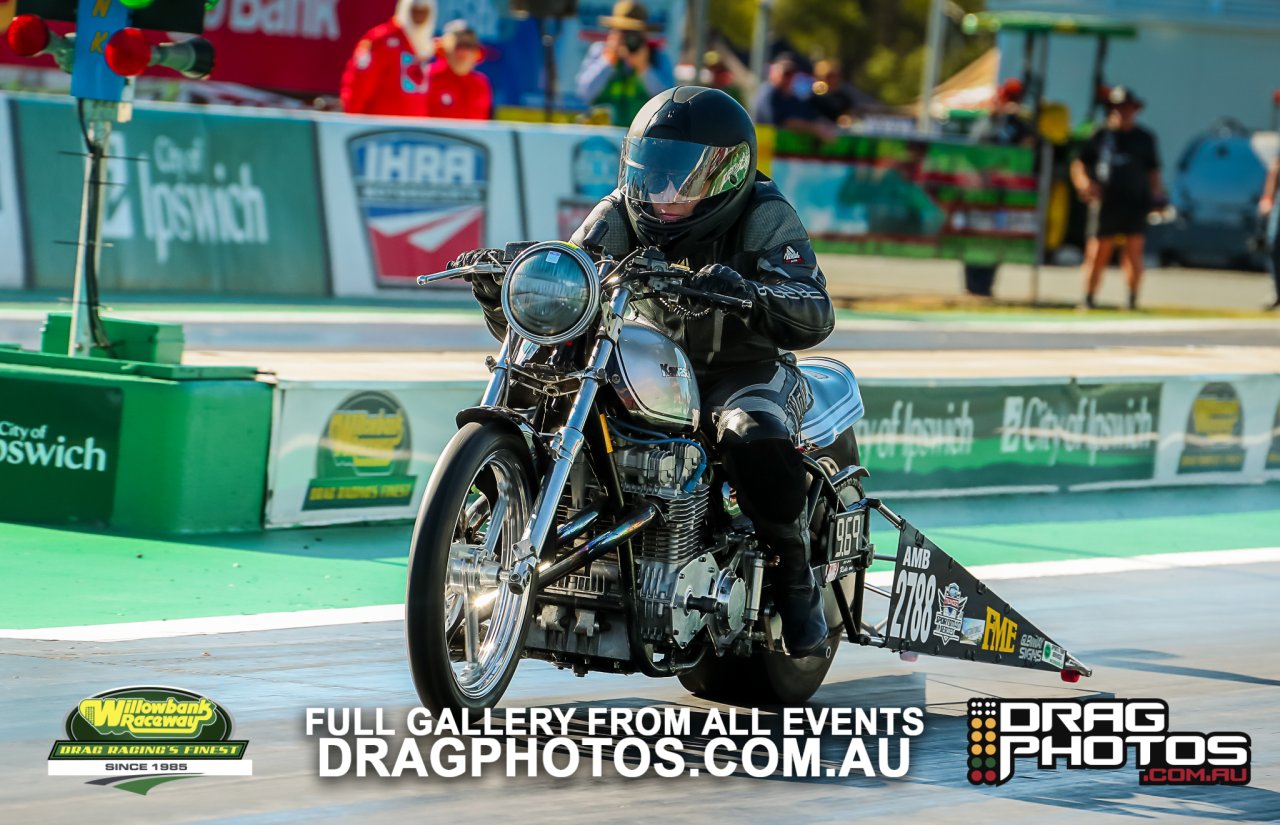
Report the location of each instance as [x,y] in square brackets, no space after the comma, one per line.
[796,594]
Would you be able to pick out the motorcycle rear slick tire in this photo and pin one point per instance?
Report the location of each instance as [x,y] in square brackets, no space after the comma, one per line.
[427,639]
[766,677]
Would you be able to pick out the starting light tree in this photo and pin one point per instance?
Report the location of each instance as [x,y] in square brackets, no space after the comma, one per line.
[107,50]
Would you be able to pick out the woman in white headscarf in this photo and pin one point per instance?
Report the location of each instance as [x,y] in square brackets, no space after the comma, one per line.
[387,72]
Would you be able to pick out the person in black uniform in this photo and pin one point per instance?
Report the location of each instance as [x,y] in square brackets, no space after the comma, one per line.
[1118,175]
[688,184]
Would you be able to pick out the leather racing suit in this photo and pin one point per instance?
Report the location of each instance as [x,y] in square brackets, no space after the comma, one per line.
[753,395]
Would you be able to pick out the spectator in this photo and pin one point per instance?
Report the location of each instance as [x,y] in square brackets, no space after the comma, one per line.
[387,72]
[833,98]
[1002,125]
[1118,175]
[1267,209]
[625,70]
[454,88]
[777,105]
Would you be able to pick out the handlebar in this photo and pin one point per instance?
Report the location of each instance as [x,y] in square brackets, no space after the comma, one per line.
[665,279]
[727,301]
[462,272]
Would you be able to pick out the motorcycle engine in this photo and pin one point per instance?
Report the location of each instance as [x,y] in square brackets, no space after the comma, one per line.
[673,564]
[671,558]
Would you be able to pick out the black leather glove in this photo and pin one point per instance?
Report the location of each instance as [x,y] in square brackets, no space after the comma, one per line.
[487,288]
[476,256]
[722,280]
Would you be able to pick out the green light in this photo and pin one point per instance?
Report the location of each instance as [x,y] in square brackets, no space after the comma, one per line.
[136,4]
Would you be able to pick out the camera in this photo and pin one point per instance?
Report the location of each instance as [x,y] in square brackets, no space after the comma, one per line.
[634,41]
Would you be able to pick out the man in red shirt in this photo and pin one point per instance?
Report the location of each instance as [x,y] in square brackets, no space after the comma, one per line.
[454,88]
[387,72]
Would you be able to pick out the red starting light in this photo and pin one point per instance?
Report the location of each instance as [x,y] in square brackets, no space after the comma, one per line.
[1072,676]
[28,35]
[128,53]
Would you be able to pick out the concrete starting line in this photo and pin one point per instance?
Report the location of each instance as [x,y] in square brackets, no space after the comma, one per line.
[289,620]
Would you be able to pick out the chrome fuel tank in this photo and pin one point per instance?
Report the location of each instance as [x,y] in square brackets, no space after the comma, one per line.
[654,379]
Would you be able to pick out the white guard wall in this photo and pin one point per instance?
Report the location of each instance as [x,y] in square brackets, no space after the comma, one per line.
[11,244]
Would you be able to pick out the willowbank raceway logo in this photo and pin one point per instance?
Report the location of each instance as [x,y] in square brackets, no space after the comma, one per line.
[135,738]
[1098,734]
[363,455]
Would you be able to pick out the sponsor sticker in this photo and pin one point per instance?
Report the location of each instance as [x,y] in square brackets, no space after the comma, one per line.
[1030,647]
[999,632]
[134,738]
[947,622]
[423,198]
[1053,654]
[363,455]
[971,631]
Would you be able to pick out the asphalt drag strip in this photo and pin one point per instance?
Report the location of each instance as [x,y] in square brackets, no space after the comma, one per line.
[1200,638]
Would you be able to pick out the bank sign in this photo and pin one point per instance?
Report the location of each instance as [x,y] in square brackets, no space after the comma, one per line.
[966,437]
[59,447]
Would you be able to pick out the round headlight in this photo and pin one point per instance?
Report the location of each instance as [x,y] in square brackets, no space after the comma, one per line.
[551,293]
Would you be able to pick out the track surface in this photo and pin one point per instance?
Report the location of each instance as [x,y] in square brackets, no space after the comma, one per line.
[1203,639]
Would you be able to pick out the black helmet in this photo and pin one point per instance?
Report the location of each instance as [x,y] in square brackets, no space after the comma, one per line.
[688,164]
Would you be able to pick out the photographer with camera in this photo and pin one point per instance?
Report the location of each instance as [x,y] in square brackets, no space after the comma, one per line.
[625,70]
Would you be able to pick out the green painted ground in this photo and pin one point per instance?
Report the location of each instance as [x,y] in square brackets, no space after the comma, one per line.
[52,577]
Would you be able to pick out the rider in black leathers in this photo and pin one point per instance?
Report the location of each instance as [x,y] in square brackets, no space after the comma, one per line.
[688,184]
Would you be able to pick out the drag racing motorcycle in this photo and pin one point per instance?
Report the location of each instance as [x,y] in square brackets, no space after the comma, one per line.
[578,516]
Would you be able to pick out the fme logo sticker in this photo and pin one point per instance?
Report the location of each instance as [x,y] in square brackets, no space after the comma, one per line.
[423,198]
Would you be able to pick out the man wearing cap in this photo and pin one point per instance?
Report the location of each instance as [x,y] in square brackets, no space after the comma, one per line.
[1118,175]
[387,72]
[454,88]
[625,70]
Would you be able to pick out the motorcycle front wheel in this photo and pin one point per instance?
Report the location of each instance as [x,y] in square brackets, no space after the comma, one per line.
[464,627]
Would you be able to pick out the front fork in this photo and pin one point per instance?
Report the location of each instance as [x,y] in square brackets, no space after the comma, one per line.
[564,449]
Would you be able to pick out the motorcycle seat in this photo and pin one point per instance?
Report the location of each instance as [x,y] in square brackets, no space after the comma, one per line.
[837,402]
